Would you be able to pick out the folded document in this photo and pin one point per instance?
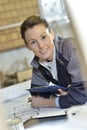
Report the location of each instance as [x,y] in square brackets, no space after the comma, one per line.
[46,91]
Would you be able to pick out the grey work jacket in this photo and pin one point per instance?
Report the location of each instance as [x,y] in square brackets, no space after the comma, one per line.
[68,72]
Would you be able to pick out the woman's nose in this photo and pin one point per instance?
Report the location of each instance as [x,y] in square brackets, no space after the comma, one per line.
[40,44]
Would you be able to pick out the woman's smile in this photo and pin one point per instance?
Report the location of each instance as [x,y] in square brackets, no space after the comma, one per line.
[43,51]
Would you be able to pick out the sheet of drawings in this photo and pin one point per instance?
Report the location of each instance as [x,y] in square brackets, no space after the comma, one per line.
[15,101]
[20,108]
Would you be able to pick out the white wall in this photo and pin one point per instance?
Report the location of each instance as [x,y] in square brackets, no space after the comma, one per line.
[78,15]
[15,60]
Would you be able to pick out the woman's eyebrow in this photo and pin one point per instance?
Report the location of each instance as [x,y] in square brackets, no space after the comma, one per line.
[35,39]
[42,34]
[31,40]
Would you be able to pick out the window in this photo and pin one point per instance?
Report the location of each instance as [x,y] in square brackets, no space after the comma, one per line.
[53,10]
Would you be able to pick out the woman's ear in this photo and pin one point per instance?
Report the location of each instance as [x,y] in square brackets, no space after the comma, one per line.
[52,33]
[27,45]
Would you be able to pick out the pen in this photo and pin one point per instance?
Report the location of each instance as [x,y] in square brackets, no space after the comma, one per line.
[29,100]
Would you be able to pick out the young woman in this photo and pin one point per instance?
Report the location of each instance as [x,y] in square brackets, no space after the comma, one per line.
[55,62]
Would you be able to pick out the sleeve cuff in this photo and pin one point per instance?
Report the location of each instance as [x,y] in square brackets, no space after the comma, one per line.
[57,102]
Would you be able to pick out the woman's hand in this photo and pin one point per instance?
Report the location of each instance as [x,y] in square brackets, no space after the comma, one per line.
[62,93]
[37,101]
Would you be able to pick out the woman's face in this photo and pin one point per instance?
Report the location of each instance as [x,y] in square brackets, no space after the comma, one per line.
[40,40]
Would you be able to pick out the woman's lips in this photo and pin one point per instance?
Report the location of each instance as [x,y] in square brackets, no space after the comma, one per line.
[44,51]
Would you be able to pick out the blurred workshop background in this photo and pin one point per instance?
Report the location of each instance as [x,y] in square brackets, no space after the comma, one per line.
[15,58]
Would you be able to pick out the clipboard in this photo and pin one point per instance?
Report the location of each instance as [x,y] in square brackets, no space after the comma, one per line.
[46,91]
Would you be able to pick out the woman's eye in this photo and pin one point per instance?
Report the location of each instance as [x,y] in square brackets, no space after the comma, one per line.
[44,37]
[33,42]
